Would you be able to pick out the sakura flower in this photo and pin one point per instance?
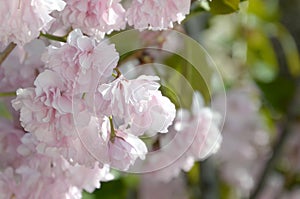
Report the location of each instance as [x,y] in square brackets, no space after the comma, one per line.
[56,131]
[124,149]
[151,188]
[55,110]
[156,15]
[82,62]
[244,130]
[9,140]
[194,136]
[27,61]
[139,104]
[26,173]
[119,148]
[94,17]
[22,21]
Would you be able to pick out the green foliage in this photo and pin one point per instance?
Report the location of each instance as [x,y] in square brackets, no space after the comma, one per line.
[261,56]
[115,189]
[224,6]
[278,93]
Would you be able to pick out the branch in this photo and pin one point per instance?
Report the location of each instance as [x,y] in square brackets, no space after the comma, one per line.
[6,52]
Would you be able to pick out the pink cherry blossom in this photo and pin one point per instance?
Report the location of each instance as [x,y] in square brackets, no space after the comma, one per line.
[22,20]
[94,17]
[194,136]
[38,174]
[124,149]
[55,129]
[119,148]
[151,188]
[82,62]
[244,130]
[139,103]
[155,14]
[27,61]
[9,141]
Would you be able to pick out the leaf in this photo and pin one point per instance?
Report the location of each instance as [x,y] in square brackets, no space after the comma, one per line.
[224,6]
[279,92]
[115,189]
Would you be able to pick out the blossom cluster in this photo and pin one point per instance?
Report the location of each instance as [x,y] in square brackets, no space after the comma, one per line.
[75,115]
[242,167]
[194,136]
[25,173]
[22,21]
[75,97]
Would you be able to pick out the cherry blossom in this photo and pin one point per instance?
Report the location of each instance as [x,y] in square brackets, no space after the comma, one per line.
[55,107]
[27,60]
[94,17]
[22,20]
[244,130]
[139,104]
[194,136]
[151,188]
[26,173]
[122,148]
[156,15]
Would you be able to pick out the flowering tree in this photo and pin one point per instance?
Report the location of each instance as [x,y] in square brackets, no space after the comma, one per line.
[122,93]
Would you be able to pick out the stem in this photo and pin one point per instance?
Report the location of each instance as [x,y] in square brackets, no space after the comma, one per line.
[118,73]
[8,94]
[6,52]
[53,37]
[112,129]
[292,114]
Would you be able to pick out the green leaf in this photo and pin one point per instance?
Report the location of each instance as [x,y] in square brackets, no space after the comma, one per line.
[224,6]
[278,93]
[115,189]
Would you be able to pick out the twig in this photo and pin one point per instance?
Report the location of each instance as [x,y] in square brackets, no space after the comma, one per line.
[53,37]
[6,52]
[8,94]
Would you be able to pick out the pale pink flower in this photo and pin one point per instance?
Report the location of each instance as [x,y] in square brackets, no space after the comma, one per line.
[26,173]
[120,149]
[21,67]
[150,188]
[9,141]
[124,149]
[194,136]
[82,62]
[155,14]
[138,103]
[37,174]
[55,129]
[244,130]
[58,109]
[22,20]
[94,17]
[8,184]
